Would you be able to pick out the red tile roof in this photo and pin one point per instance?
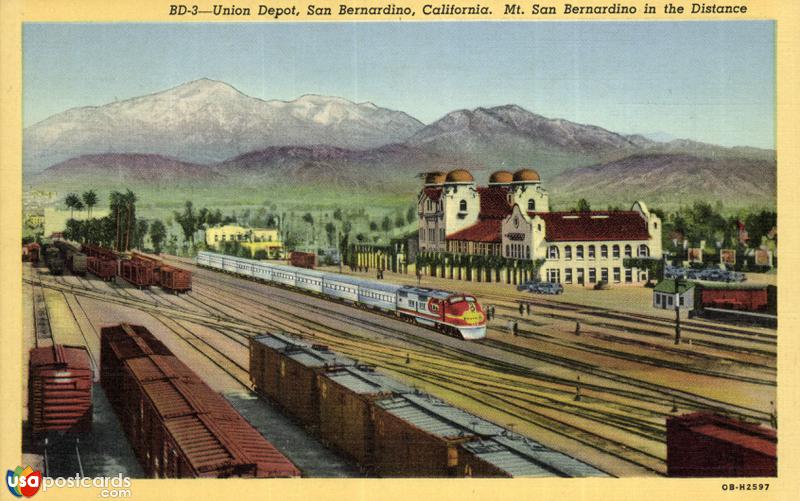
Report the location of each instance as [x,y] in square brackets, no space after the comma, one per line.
[494,202]
[487,230]
[433,193]
[593,226]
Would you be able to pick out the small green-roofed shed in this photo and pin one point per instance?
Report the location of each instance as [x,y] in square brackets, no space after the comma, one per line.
[664,294]
[668,285]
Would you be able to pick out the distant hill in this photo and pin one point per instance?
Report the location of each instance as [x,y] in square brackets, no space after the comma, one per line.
[670,180]
[209,139]
[208,121]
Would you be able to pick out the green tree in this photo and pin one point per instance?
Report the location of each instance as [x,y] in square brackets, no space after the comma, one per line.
[90,200]
[347,227]
[373,226]
[330,231]
[758,225]
[386,224]
[583,206]
[157,235]
[337,214]
[140,233]
[411,215]
[71,201]
[187,221]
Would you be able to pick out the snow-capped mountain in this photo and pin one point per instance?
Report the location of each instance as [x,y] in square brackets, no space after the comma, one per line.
[208,121]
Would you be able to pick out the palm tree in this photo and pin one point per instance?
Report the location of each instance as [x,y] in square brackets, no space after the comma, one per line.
[90,199]
[72,202]
[115,203]
[130,220]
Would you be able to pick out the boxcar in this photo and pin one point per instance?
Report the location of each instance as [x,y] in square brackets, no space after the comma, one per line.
[177,425]
[512,455]
[303,259]
[285,370]
[746,297]
[59,390]
[709,445]
[174,279]
[346,395]
[105,269]
[418,435]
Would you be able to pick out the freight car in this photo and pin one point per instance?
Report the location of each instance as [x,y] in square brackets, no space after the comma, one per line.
[30,253]
[732,296]
[100,261]
[285,369]
[138,272]
[710,445]
[454,314]
[59,390]
[177,425]
[388,428]
[75,260]
[174,279]
[53,260]
[303,259]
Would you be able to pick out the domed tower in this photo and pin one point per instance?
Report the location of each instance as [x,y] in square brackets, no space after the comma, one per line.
[435,178]
[461,201]
[501,178]
[526,185]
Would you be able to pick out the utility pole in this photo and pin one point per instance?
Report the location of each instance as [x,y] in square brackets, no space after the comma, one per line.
[677,311]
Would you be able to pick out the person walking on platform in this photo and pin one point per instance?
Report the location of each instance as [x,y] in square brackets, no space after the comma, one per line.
[577,328]
[521,308]
[515,328]
[528,308]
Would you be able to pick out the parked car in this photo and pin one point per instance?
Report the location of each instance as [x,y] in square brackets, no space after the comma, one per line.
[547,288]
[526,286]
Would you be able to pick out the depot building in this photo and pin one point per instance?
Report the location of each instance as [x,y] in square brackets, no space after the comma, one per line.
[511,217]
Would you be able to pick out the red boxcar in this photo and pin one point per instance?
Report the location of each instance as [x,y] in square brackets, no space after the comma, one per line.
[174,279]
[710,445]
[59,390]
[303,259]
[103,268]
[177,425]
[734,298]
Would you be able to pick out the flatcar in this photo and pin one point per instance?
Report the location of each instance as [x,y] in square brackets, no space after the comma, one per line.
[454,314]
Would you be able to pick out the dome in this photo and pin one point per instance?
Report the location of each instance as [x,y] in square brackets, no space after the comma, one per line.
[434,178]
[526,176]
[459,176]
[501,177]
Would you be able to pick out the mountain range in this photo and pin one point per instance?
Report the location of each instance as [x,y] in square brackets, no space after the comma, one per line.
[207,132]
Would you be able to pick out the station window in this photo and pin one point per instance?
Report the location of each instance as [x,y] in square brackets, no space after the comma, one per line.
[568,276]
[552,252]
[568,252]
[531,205]
[628,251]
[628,275]
[616,275]
[604,274]
[592,275]
[579,252]
[644,251]
[615,251]
[604,251]
[591,252]
[462,206]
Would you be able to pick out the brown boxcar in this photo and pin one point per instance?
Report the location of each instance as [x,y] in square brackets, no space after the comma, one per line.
[30,252]
[420,436]
[710,445]
[303,259]
[59,390]
[174,279]
[177,425]
[137,272]
[98,251]
[512,455]
[285,370]
[345,408]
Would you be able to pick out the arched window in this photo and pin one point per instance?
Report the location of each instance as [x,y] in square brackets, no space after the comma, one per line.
[615,252]
[462,206]
[531,205]
[604,251]
[568,252]
[579,252]
[552,252]
[644,251]
[591,252]
[628,251]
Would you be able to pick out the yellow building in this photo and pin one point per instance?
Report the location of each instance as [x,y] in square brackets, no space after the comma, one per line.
[253,239]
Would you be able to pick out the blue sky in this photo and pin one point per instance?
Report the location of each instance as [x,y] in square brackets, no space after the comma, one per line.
[709,81]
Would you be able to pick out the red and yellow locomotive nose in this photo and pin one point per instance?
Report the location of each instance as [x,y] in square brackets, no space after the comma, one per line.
[464,311]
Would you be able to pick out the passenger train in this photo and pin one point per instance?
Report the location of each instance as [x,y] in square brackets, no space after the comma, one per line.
[451,313]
